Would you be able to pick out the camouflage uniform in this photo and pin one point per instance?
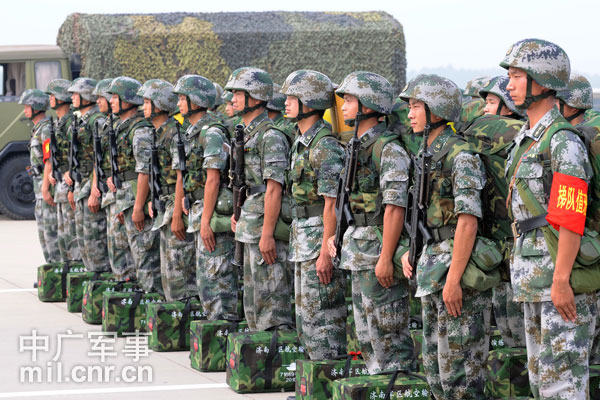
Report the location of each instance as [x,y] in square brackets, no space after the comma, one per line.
[557,351]
[277,104]
[381,314]
[134,138]
[317,160]
[267,288]
[454,349]
[473,105]
[90,227]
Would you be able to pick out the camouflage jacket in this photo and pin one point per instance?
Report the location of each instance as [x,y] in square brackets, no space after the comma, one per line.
[230,123]
[456,184]
[492,136]
[361,246]
[39,134]
[472,109]
[532,268]
[398,121]
[286,125]
[266,157]
[317,161]
[61,127]
[166,134]
[592,119]
[108,197]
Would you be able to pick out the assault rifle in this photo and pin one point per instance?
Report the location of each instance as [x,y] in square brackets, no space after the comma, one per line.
[73,153]
[100,175]
[182,164]
[54,155]
[343,213]
[155,190]
[237,183]
[114,166]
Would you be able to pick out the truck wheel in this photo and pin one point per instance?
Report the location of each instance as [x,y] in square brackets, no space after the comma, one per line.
[16,188]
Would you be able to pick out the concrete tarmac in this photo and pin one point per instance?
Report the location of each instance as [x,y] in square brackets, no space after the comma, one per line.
[45,337]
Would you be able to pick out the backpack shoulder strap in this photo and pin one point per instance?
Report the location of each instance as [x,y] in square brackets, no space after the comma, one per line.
[378,146]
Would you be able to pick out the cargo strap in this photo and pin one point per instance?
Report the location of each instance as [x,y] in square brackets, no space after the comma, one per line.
[134,305]
[390,386]
[529,224]
[63,278]
[125,176]
[314,210]
[443,233]
[368,219]
[233,326]
[256,189]
[268,371]
[184,327]
[351,356]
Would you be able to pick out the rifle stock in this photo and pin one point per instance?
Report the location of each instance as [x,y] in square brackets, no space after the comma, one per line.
[100,175]
[54,152]
[237,181]
[155,190]
[114,166]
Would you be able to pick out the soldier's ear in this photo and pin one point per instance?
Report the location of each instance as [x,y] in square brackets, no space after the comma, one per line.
[367,110]
[435,118]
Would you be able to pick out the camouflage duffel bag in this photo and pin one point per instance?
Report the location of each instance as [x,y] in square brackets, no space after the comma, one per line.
[507,373]
[496,340]
[314,378]
[126,312]
[75,283]
[169,323]
[594,381]
[263,361]
[417,337]
[390,385]
[52,280]
[91,306]
[208,343]
[352,344]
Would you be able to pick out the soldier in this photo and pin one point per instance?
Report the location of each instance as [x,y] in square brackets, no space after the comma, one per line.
[319,289]
[275,108]
[377,201]
[232,118]
[35,103]
[60,101]
[267,280]
[492,135]
[119,254]
[473,105]
[559,325]
[456,321]
[133,142]
[176,256]
[206,165]
[90,226]
[214,112]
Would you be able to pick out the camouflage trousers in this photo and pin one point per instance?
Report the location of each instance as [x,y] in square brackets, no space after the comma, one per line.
[91,236]
[47,225]
[217,277]
[595,352]
[145,249]
[509,315]
[558,351]
[67,234]
[267,288]
[177,265]
[382,317]
[455,350]
[119,253]
[320,311]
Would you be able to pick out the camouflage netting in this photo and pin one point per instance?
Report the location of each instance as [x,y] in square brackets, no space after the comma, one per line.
[167,46]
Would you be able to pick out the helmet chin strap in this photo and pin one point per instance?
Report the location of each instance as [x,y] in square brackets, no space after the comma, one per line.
[561,106]
[302,115]
[530,98]
[428,124]
[124,110]
[363,116]
[247,108]
[499,109]
[156,113]
[190,111]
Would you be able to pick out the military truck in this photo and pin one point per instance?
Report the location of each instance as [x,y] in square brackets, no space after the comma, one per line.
[170,45]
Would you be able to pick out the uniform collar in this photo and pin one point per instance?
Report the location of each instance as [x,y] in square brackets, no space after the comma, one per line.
[372,134]
[256,122]
[440,140]
[307,137]
[193,130]
[93,110]
[538,129]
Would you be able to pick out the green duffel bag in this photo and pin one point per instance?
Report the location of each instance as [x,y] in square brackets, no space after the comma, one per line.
[314,378]
[496,340]
[396,385]
[169,323]
[52,280]
[594,382]
[208,343]
[482,272]
[263,361]
[75,283]
[507,374]
[417,338]
[91,306]
[352,345]
[125,312]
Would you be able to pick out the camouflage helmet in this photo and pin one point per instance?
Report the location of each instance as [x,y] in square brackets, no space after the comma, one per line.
[219,91]
[313,89]
[545,62]
[254,81]
[474,85]
[35,98]
[579,93]
[198,89]
[227,96]
[277,103]
[126,88]
[102,87]
[60,89]
[441,95]
[497,86]
[85,87]
[371,90]
[160,93]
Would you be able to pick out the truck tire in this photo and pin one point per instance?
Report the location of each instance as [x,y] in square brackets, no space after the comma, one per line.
[16,188]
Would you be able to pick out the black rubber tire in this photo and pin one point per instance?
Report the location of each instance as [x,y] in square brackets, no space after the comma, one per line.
[16,188]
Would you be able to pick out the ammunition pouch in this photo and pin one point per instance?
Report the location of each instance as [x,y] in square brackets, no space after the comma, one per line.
[482,272]
[125,176]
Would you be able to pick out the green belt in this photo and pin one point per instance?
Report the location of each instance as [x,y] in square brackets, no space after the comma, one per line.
[443,233]
[368,219]
[125,176]
[314,210]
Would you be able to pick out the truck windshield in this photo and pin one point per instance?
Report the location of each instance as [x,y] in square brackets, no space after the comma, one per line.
[45,71]
[12,81]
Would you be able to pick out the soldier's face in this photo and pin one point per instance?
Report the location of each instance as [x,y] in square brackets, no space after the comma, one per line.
[28,111]
[114,103]
[517,85]
[239,100]
[229,109]
[491,104]
[182,103]
[102,104]
[350,107]
[147,108]
[291,107]
[52,101]
[76,98]
[417,115]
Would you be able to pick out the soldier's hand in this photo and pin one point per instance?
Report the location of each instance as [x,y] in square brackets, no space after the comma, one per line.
[208,237]
[93,203]
[95,192]
[452,295]
[138,218]
[178,227]
[384,271]
[563,298]
[51,179]
[331,247]
[121,218]
[183,208]
[150,212]
[67,178]
[48,198]
[324,267]
[268,249]
[110,184]
[233,224]
[71,198]
[407,269]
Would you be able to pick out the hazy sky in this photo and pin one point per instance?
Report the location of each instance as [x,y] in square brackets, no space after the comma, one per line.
[439,33]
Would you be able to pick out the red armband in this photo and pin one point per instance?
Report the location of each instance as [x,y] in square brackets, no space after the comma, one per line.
[568,203]
[46,150]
